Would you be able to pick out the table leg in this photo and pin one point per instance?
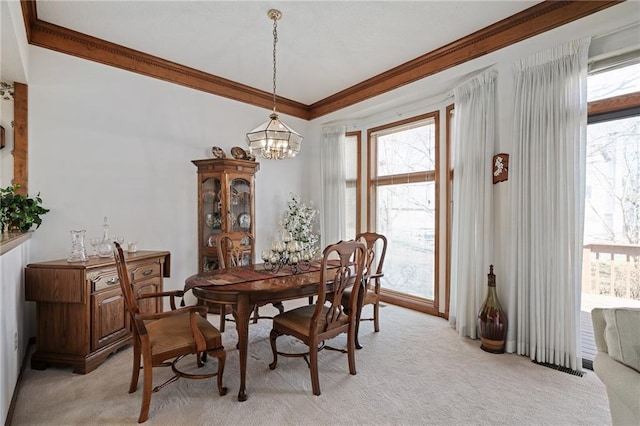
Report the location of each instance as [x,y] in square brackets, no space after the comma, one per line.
[242,315]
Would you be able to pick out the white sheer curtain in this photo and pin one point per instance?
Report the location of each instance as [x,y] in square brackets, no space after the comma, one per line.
[472,233]
[547,216]
[333,185]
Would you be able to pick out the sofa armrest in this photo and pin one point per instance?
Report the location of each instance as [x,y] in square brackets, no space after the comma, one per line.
[599,325]
[623,388]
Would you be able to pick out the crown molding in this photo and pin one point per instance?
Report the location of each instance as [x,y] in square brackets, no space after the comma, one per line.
[54,37]
[537,19]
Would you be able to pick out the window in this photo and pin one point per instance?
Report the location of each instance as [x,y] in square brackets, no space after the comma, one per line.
[403,203]
[612,195]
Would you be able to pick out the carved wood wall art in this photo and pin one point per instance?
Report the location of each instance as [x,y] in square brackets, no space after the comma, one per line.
[500,168]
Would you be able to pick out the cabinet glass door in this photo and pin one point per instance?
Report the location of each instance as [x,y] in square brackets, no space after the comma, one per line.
[240,205]
[211,219]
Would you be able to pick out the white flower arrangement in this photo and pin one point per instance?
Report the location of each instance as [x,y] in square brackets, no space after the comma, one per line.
[299,219]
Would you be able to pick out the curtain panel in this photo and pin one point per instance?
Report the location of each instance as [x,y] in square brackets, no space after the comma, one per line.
[547,205]
[333,173]
[472,232]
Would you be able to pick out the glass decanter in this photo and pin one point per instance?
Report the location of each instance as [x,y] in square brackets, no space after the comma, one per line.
[105,249]
[78,253]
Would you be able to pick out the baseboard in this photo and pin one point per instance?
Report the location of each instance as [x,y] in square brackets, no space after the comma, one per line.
[25,360]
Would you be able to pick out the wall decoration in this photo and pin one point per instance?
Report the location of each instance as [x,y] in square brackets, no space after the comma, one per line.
[7,91]
[500,167]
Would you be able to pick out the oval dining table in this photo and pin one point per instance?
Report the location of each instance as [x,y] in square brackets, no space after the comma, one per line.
[244,287]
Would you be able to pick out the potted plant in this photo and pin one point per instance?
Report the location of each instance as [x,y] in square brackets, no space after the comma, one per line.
[18,213]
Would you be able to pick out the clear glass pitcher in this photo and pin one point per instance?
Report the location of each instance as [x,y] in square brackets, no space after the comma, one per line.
[78,253]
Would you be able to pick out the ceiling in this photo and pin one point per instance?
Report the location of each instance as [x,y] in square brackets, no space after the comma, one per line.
[323,46]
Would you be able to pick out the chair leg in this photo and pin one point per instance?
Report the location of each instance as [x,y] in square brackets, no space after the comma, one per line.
[351,349]
[313,361]
[279,306]
[223,314]
[221,361]
[135,372]
[376,313]
[255,314]
[272,338]
[146,386]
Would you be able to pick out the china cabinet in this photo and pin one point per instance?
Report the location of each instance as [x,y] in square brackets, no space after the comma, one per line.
[226,203]
[80,309]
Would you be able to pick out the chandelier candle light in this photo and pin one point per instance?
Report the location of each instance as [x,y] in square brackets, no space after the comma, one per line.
[287,252]
[273,139]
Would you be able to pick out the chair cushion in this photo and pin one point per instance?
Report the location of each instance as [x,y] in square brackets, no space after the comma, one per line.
[169,334]
[299,319]
[623,336]
[369,299]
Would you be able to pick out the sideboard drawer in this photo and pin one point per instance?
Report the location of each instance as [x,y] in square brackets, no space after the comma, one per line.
[145,270]
[105,278]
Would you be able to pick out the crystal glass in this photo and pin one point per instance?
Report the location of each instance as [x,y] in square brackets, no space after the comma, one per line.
[95,242]
[78,253]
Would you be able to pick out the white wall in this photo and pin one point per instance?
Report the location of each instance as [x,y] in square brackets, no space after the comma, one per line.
[16,317]
[13,67]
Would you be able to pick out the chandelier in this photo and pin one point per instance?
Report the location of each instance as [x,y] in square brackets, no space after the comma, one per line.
[273,139]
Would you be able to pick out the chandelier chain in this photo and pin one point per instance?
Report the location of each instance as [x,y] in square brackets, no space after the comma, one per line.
[273,139]
[275,40]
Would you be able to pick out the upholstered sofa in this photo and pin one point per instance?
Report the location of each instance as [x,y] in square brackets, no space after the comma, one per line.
[617,363]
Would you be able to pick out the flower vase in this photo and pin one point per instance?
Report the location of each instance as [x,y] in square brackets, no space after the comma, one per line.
[492,319]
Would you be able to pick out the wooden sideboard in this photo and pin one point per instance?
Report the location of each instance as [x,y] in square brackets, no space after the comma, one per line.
[80,309]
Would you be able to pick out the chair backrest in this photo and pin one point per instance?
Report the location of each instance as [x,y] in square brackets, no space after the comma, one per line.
[127,291]
[376,251]
[234,249]
[342,266]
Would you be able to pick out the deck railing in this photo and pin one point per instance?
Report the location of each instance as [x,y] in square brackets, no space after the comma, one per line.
[612,270]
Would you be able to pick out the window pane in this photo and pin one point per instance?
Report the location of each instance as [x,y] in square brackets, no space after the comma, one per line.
[617,82]
[612,201]
[350,210]
[351,157]
[406,151]
[406,215]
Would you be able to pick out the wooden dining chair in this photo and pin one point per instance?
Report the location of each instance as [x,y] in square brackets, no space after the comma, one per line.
[342,266]
[164,338]
[236,249]
[376,251]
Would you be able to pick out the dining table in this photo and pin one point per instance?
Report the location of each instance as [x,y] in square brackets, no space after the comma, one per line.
[244,287]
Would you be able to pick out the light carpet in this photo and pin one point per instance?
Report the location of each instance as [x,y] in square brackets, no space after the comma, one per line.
[415,371]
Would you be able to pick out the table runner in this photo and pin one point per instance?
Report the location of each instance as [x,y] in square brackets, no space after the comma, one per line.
[244,274]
